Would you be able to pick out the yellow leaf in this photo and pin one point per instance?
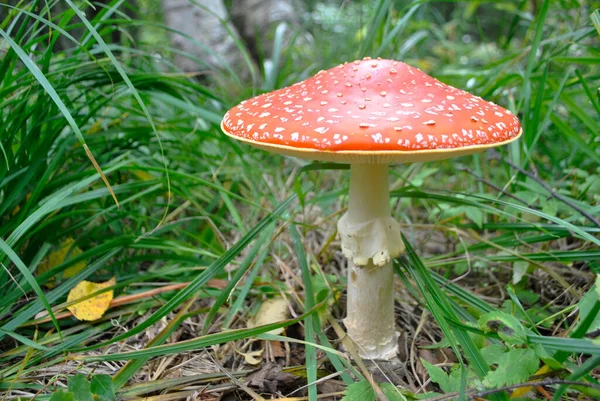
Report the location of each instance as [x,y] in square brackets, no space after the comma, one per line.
[92,308]
[271,311]
[67,250]
[252,357]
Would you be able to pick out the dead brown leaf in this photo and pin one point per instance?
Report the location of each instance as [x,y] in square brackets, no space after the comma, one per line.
[271,378]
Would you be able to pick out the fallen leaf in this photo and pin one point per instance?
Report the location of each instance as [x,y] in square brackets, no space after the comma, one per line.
[92,308]
[271,378]
[271,311]
[67,250]
[252,357]
[217,283]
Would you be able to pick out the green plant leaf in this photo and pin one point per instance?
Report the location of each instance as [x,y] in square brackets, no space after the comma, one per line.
[312,323]
[392,392]
[24,340]
[30,280]
[102,388]
[421,175]
[363,391]
[508,327]
[515,366]
[475,215]
[63,396]
[447,383]
[202,278]
[595,17]
[519,270]
[359,391]
[443,343]
[80,386]
[493,353]
[586,306]
[442,309]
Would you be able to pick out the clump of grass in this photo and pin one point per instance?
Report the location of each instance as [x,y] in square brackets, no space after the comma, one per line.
[503,250]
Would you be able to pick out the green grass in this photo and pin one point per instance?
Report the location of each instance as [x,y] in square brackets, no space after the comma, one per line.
[82,118]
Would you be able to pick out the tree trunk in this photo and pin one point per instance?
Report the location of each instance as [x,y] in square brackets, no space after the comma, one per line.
[206,36]
[253,20]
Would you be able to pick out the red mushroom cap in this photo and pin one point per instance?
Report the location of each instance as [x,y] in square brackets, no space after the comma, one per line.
[371,111]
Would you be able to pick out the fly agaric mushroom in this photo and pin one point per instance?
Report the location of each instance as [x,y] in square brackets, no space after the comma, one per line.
[370,113]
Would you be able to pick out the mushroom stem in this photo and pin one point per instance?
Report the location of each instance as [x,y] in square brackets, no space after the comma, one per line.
[370,304]
[369,193]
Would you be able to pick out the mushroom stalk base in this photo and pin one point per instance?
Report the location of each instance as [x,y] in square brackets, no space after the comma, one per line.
[370,306]
[370,318]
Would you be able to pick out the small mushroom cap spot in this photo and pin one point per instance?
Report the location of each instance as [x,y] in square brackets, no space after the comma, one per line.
[371,111]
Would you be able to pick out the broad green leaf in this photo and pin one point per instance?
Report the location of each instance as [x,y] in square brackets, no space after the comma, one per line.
[63,396]
[493,353]
[80,386]
[587,303]
[550,207]
[421,175]
[359,391]
[475,215]
[508,327]
[440,377]
[102,388]
[515,366]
